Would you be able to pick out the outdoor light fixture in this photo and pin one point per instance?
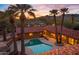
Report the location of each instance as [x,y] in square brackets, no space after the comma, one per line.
[30,34]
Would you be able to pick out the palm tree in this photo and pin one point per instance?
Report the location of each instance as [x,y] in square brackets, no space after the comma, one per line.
[55,12]
[72,16]
[22,8]
[31,13]
[10,15]
[3,28]
[13,33]
[3,25]
[63,11]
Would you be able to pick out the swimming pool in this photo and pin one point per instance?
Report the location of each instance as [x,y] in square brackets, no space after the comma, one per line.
[39,47]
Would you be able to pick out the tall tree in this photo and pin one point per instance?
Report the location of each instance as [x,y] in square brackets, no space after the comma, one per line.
[31,13]
[3,29]
[63,11]
[21,8]
[55,12]
[3,25]
[10,14]
[72,18]
[12,21]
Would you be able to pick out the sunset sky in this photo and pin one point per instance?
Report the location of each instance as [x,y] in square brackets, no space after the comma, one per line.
[43,9]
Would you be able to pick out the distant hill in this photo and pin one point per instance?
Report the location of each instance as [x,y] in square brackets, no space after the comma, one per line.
[67,17]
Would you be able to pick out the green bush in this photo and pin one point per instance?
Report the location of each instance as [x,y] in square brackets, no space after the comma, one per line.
[76,26]
[68,25]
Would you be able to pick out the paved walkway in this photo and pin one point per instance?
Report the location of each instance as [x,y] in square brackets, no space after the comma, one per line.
[52,40]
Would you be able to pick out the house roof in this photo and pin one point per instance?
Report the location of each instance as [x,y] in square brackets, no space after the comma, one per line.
[68,32]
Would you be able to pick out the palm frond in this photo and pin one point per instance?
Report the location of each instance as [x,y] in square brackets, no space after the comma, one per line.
[24,7]
[54,11]
[64,10]
[33,9]
[31,14]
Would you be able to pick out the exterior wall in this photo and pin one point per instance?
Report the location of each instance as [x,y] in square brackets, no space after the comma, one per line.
[33,35]
[65,39]
[30,35]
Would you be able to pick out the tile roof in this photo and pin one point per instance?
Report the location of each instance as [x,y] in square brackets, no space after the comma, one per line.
[68,32]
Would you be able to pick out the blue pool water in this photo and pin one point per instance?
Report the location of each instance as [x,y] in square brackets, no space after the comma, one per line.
[37,49]
[37,46]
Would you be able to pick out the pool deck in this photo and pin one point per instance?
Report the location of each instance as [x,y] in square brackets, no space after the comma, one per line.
[28,50]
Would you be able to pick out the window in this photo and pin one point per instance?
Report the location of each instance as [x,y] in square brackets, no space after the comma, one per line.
[71,41]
